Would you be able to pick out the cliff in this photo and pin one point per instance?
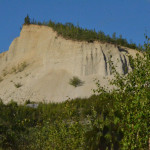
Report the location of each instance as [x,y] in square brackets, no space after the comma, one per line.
[39,65]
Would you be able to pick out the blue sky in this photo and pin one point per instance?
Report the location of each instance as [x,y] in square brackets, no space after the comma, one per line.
[131,18]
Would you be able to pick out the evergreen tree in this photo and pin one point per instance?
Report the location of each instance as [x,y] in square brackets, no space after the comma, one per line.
[114,36]
[27,20]
[70,31]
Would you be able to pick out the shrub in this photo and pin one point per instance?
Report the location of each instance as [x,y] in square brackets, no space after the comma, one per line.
[22,66]
[18,85]
[128,113]
[60,135]
[19,68]
[5,72]
[75,81]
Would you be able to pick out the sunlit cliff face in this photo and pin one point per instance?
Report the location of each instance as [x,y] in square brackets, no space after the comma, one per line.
[51,61]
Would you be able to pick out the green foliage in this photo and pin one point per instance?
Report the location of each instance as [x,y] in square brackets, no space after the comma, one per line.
[129,111]
[114,120]
[70,31]
[30,128]
[60,135]
[27,20]
[75,81]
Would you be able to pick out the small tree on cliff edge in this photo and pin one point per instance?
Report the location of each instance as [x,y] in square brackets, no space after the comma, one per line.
[27,20]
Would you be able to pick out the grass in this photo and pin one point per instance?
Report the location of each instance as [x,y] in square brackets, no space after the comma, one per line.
[5,72]
[16,69]
[22,66]
[19,68]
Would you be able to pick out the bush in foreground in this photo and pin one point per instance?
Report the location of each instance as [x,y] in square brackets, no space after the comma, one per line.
[119,119]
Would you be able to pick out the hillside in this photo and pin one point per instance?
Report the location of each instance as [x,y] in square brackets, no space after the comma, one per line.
[39,65]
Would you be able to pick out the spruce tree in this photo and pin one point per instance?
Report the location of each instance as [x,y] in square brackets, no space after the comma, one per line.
[27,20]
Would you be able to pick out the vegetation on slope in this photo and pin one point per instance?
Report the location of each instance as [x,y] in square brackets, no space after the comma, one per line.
[70,31]
[119,119]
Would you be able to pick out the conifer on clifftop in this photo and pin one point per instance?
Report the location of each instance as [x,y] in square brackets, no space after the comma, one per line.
[27,20]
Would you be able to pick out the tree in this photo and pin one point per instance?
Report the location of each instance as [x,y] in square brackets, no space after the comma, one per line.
[27,20]
[129,111]
[114,36]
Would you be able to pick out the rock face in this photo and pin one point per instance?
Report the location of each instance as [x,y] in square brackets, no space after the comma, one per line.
[43,63]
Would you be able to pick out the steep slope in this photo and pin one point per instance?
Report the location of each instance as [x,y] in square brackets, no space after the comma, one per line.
[40,64]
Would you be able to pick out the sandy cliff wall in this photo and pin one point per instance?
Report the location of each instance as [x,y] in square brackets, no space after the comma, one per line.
[52,61]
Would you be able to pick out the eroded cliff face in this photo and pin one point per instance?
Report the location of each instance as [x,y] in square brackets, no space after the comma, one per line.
[51,61]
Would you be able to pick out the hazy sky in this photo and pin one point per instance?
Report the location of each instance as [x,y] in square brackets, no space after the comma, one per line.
[131,18]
